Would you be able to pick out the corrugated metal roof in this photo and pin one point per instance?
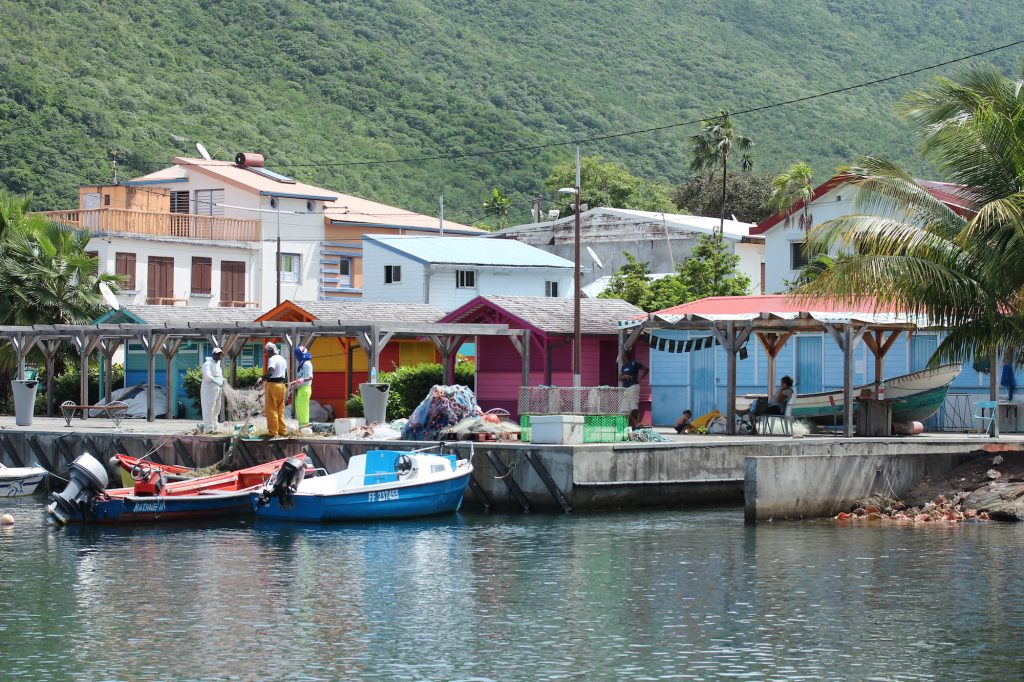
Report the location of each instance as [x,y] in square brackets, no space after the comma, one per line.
[371,312]
[471,251]
[183,314]
[555,315]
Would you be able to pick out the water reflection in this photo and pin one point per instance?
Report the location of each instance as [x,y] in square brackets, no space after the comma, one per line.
[689,595]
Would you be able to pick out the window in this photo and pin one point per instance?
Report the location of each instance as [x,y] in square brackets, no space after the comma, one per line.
[392,274]
[551,289]
[106,200]
[202,274]
[465,279]
[160,280]
[179,202]
[797,259]
[209,202]
[232,283]
[124,265]
[344,272]
[291,267]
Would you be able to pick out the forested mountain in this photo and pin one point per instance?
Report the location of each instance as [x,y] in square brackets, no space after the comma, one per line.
[330,89]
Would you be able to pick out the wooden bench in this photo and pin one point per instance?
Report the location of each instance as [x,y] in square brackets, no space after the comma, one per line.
[116,410]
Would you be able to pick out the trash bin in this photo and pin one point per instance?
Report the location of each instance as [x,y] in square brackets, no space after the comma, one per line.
[375,401]
[24,400]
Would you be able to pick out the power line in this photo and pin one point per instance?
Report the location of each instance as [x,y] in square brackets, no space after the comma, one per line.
[643,131]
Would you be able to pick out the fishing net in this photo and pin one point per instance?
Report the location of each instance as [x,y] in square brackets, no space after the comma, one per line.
[443,408]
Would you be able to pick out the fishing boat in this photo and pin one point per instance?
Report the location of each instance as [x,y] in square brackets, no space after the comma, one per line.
[126,463]
[19,481]
[86,499]
[381,484]
[914,397]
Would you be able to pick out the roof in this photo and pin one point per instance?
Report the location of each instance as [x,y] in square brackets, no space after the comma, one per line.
[553,315]
[469,251]
[238,176]
[781,307]
[734,229]
[949,194]
[362,311]
[183,314]
[351,209]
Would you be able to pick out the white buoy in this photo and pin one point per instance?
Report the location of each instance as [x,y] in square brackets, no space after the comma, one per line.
[6,520]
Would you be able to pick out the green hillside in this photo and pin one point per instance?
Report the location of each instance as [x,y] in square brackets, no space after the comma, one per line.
[322,85]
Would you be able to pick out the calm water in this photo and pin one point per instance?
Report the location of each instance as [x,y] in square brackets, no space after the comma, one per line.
[691,595]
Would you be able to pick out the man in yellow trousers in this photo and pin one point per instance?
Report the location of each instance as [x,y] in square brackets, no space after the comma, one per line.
[274,390]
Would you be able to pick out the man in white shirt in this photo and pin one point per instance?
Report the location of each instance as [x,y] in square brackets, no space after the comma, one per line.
[211,391]
[273,397]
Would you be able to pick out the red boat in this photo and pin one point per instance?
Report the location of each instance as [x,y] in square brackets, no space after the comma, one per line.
[87,500]
[172,472]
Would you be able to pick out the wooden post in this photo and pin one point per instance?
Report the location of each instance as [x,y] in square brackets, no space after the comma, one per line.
[993,390]
[848,381]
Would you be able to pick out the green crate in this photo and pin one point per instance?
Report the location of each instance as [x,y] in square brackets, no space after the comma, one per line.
[597,428]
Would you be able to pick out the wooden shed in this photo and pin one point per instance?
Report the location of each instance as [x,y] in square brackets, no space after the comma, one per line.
[550,322]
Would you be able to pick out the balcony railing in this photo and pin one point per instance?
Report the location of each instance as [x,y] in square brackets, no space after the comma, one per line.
[180,225]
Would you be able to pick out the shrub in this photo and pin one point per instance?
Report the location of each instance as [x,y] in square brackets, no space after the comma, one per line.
[66,384]
[410,385]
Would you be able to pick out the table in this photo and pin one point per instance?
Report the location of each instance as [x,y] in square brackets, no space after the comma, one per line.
[874,417]
[1010,417]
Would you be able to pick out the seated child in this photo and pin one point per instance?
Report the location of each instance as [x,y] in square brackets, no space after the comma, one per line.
[685,424]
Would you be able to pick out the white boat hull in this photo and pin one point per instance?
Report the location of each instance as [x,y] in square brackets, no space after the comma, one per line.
[20,481]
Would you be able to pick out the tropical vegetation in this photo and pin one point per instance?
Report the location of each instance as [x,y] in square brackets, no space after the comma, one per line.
[747,196]
[607,184]
[958,261]
[410,385]
[712,146]
[711,270]
[321,87]
[794,185]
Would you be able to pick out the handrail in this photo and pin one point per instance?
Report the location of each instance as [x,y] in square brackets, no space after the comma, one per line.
[181,225]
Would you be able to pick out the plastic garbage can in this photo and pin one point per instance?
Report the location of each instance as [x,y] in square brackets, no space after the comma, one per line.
[375,401]
[24,400]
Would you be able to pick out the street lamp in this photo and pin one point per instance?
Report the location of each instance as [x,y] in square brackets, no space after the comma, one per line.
[577,338]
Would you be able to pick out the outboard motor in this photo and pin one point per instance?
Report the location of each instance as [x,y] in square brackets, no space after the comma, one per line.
[284,483]
[87,478]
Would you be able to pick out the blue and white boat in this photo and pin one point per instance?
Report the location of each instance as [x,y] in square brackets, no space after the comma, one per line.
[18,481]
[381,484]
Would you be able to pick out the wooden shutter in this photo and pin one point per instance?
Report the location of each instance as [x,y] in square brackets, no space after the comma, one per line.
[202,269]
[160,280]
[124,265]
[232,283]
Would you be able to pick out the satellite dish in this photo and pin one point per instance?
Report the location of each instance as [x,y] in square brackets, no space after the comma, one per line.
[202,151]
[109,296]
[734,218]
[597,261]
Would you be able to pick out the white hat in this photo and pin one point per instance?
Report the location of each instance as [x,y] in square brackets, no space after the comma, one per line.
[270,347]
[217,350]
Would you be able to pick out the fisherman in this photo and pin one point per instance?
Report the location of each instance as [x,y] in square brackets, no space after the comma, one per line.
[274,382]
[303,385]
[211,391]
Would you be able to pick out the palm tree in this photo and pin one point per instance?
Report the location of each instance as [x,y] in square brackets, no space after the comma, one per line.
[796,184]
[957,260]
[497,204]
[711,149]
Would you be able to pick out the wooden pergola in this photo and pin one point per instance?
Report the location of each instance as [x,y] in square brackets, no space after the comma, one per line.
[166,339]
[773,320]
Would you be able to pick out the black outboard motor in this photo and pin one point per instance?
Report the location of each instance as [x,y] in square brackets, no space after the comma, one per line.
[284,483]
[87,478]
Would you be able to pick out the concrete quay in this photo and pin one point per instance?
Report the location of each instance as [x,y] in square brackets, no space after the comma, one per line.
[772,477]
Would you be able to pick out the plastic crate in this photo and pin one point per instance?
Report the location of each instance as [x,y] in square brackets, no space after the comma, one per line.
[597,428]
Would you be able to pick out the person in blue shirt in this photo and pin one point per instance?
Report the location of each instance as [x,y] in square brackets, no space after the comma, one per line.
[633,371]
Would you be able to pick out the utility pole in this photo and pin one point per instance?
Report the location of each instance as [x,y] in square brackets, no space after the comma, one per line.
[440,213]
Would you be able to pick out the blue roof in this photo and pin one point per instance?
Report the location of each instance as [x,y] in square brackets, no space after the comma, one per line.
[470,251]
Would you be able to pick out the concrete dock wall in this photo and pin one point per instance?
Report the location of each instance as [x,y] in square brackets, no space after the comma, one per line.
[804,479]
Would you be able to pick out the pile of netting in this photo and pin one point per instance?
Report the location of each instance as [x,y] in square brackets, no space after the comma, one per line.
[443,408]
[492,423]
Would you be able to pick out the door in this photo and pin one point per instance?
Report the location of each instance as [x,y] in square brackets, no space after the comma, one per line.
[160,280]
[808,377]
[922,347]
[232,283]
[702,380]
[91,213]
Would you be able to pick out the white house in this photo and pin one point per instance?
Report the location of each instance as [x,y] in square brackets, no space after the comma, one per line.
[447,272]
[784,237]
[662,240]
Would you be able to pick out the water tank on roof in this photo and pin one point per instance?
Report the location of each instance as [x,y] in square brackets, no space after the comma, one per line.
[249,160]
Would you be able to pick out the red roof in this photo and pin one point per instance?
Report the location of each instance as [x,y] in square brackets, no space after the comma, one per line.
[778,303]
[948,193]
